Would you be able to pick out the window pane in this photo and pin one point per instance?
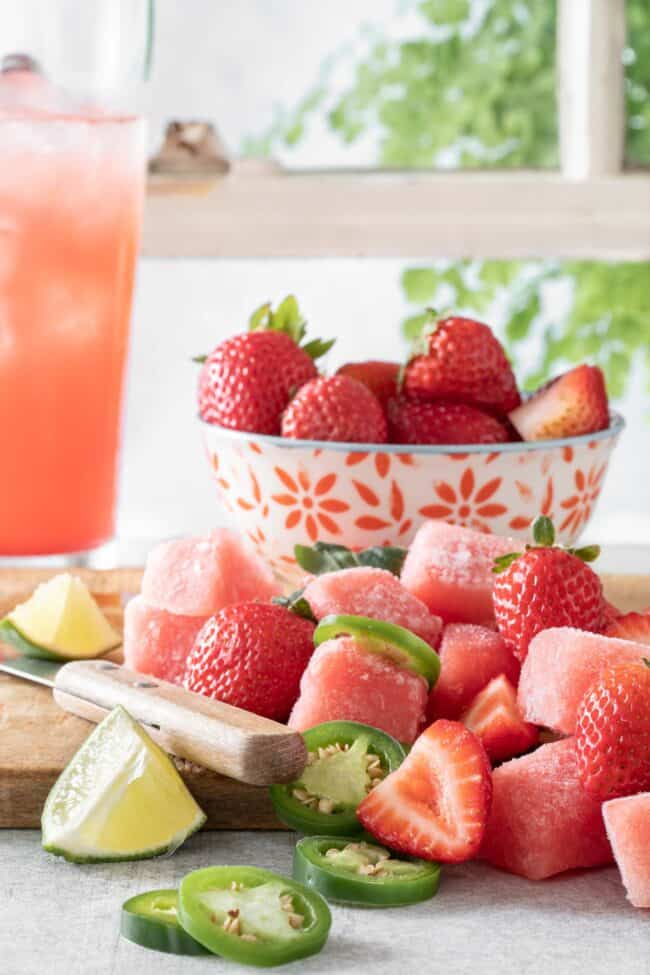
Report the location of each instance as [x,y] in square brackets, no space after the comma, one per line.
[550,314]
[637,83]
[406,83]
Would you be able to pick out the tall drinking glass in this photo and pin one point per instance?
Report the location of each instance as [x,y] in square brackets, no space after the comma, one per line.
[72,167]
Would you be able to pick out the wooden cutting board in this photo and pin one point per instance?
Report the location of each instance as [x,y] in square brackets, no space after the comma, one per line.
[37,738]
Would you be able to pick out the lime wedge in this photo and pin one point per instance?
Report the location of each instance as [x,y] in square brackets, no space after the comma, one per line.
[60,620]
[119,798]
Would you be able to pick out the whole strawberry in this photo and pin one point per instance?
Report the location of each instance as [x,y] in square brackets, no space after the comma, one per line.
[335,408]
[381,378]
[251,655]
[414,422]
[613,732]
[545,586]
[630,626]
[460,359]
[247,381]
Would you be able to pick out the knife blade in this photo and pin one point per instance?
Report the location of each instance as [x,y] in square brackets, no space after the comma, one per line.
[228,740]
[31,668]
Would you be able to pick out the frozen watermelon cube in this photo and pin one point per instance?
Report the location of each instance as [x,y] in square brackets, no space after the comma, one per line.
[542,821]
[628,826]
[199,576]
[157,642]
[375,593]
[450,569]
[470,656]
[560,665]
[344,682]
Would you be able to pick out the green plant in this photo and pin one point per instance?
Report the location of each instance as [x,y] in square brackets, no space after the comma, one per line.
[606,318]
[475,86]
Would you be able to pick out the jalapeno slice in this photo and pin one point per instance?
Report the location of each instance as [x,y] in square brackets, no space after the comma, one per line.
[253,916]
[345,760]
[353,871]
[394,642]
[151,920]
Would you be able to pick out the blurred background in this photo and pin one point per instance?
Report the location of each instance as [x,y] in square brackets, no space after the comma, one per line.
[426,84]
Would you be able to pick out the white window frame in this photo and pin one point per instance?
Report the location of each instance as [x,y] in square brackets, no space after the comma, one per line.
[589,209]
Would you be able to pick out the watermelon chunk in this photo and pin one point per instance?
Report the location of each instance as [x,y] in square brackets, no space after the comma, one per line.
[375,593]
[199,576]
[561,664]
[449,568]
[628,826]
[347,683]
[542,821]
[470,656]
[494,717]
[157,642]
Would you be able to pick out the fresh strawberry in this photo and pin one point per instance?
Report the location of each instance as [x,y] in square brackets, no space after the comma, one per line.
[380,377]
[543,587]
[495,718]
[461,359]
[248,380]
[335,408]
[610,614]
[416,422]
[613,732]
[251,655]
[632,626]
[436,804]
[571,405]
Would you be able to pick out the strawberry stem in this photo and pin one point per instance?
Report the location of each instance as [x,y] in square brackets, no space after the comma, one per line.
[543,531]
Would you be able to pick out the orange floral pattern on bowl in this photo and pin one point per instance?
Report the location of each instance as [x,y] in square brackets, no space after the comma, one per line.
[281,495]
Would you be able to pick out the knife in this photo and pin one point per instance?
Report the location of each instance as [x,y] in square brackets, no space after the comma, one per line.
[228,740]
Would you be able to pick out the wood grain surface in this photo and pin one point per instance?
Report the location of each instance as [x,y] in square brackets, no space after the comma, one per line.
[37,738]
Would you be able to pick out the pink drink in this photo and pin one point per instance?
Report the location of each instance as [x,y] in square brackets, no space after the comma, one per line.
[71,192]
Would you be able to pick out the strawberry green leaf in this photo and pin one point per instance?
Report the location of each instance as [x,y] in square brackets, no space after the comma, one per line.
[504,562]
[326,557]
[286,318]
[200,359]
[383,557]
[588,553]
[318,347]
[297,604]
[260,317]
[543,531]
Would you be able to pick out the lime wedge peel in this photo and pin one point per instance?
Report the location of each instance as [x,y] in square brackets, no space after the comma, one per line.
[119,798]
[59,621]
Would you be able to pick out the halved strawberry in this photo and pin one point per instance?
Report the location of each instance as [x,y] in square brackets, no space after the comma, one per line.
[380,377]
[610,613]
[632,626]
[495,718]
[569,406]
[436,804]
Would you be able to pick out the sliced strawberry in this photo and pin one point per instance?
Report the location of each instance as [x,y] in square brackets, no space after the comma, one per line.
[632,626]
[436,804]
[569,406]
[380,377]
[610,613]
[495,718]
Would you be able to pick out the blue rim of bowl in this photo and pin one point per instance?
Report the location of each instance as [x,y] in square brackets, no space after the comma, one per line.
[616,425]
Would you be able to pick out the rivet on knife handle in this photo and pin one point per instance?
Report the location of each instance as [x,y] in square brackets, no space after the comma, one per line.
[222,738]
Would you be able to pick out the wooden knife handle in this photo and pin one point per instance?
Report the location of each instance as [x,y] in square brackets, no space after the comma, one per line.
[226,739]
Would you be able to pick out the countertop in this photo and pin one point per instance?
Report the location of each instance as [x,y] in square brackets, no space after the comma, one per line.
[63,919]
